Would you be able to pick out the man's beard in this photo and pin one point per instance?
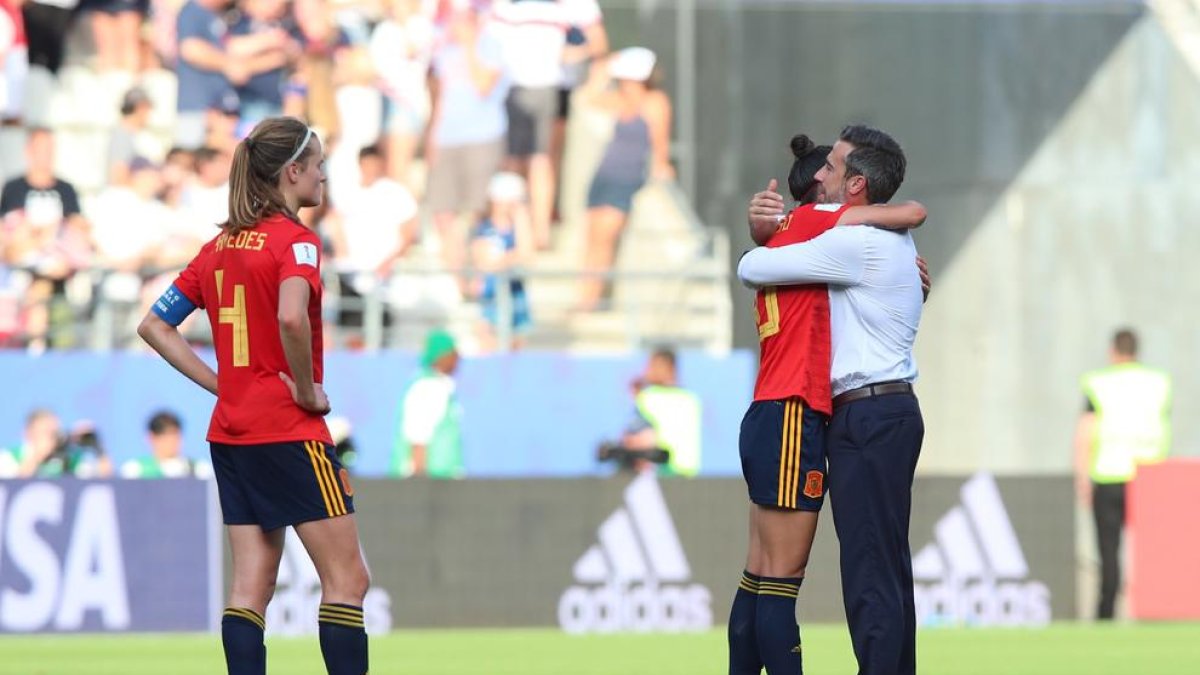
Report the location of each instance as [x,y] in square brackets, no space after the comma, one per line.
[838,197]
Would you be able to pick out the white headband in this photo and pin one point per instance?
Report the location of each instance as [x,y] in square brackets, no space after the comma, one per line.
[303,144]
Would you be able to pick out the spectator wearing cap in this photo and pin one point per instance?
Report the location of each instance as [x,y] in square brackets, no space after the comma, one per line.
[429,442]
[221,122]
[466,132]
[136,107]
[640,141]
[502,243]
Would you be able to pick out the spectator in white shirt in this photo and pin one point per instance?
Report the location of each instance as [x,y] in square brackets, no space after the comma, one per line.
[533,38]
[128,225]
[401,50]
[371,229]
[136,107]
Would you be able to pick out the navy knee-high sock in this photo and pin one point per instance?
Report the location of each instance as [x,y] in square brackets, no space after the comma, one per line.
[776,627]
[343,639]
[242,637]
[743,643]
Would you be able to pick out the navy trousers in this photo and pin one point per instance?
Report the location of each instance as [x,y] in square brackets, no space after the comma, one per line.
[874,444]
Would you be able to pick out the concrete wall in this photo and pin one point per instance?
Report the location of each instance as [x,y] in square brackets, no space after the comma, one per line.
[1054,145]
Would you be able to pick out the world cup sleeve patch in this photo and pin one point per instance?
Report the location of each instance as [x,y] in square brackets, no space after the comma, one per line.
[306,254]
[814,484]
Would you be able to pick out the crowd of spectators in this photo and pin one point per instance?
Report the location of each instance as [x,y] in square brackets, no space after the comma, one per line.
[451,109]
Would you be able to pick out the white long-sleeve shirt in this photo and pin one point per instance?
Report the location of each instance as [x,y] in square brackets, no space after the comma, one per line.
[874,297]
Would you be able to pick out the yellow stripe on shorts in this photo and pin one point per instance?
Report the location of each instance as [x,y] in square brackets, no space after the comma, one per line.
[317,470]
[783,452]
[334,484]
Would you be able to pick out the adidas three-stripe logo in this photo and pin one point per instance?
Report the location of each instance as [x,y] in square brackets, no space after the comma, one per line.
[636,576]
[975,572]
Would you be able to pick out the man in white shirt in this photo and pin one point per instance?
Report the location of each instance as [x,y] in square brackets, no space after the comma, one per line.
[875,434]
[533,40]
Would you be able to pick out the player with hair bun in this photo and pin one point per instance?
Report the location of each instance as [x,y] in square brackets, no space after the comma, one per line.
[782,439]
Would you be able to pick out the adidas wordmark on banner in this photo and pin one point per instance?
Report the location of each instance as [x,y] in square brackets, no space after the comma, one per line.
[975,572]
[636,577]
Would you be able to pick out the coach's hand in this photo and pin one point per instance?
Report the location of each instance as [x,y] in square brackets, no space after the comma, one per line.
[317,402]
[766,211]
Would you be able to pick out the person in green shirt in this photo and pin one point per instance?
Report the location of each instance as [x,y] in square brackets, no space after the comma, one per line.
[164,435]
[429,441]
[39,452]
[667,417]
[1125,423]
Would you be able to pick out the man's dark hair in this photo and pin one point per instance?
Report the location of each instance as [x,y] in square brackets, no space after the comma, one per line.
[370,151]
[1125,343]
[163,421]
[666,354]
[878,158]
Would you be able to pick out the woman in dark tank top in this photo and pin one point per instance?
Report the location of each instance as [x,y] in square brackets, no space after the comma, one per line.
[638,150]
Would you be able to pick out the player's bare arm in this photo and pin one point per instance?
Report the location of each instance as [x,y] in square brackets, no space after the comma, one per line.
[166,340]
[295,332]
[906,216]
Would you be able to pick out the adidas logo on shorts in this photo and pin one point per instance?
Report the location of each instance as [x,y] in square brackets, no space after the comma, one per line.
[636,577]
[975,572]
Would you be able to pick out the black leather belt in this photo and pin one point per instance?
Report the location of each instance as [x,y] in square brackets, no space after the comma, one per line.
[872,390]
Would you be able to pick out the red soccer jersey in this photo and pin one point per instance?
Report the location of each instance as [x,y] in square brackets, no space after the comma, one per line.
[236,279]
[793,322]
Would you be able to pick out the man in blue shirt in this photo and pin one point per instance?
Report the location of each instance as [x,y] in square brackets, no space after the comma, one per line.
[201,69]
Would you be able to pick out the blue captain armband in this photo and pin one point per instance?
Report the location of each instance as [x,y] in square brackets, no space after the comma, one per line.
[173,306]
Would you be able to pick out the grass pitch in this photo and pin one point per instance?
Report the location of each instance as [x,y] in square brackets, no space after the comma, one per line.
[1063,649]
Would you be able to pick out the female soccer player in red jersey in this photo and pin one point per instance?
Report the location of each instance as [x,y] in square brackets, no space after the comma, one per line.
[259,281]
[782,438]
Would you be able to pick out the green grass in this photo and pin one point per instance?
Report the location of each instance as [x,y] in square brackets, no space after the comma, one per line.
[1063,649]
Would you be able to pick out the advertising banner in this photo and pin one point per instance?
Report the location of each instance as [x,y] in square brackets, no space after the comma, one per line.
[642,554]
[108,556]
[1163,518]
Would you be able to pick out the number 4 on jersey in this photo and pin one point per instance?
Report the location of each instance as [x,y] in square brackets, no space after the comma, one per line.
[235,316]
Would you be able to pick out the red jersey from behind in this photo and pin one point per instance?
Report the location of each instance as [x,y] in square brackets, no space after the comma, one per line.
[793,322]
[236,279]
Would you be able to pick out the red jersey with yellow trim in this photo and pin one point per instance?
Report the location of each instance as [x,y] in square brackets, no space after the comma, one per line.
[793,322]
[236,279]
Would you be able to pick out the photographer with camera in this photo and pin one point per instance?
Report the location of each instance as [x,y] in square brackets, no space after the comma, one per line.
[46,452]
[666,426]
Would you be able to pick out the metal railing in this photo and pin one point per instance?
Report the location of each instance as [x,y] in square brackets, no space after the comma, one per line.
[687,304]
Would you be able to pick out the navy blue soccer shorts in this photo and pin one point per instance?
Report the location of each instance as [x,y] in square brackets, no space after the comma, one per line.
[274,485]
[782,444]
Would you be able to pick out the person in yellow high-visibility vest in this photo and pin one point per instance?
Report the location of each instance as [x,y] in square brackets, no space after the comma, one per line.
[1126,422]
[667,417]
